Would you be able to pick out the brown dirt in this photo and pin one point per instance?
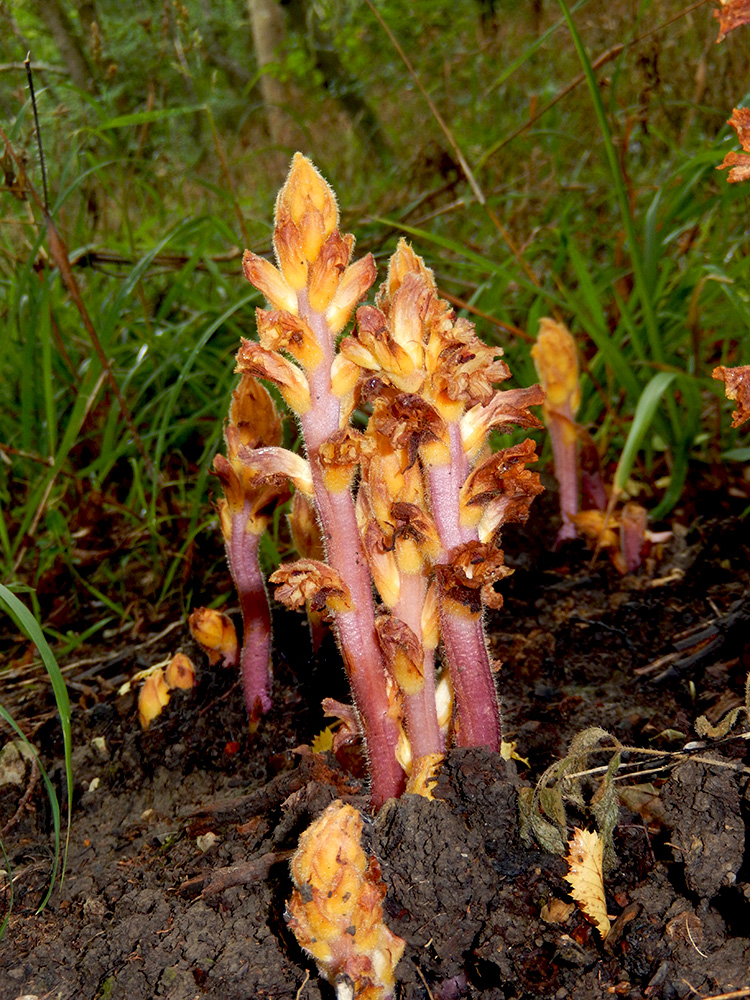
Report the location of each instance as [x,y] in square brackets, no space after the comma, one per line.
[177,871]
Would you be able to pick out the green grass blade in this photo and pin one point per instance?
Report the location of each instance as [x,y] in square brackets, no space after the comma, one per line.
[5,922]
[32,630]
[649,316]
[642,420]
[53,801]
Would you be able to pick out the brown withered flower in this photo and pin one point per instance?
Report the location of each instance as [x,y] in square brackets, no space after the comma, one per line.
[737,388]
[471,573]
[738,164]
[308,582]
[252,359]
[730,15]
[501,489]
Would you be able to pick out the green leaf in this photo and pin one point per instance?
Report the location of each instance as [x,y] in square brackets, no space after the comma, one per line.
[32,630]
[642,420]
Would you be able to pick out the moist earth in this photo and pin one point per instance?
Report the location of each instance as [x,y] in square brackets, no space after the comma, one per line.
[177,869]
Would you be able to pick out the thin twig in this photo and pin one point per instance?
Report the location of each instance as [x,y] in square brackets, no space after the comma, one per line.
[462,304]
[30,78]
[6,449]
[33,778]
[577,80]
[734,995]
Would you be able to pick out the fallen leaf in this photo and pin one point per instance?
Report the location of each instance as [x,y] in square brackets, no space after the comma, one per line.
[557,911]
[585,853]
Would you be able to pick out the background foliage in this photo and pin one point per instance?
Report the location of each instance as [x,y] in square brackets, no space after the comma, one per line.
[161,170]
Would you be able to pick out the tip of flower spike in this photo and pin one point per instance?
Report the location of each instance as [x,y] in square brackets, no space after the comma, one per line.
[307,201]
[404,261]
[556,362]
[336,910]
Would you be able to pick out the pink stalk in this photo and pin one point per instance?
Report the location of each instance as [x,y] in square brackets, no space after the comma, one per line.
[565,456]
[461,630]
[420,710]
[255,658]
[354,629]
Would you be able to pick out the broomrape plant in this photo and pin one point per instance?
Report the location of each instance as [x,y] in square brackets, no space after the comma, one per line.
[414,503]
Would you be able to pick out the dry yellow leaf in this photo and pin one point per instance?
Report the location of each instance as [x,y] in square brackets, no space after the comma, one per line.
[585,851]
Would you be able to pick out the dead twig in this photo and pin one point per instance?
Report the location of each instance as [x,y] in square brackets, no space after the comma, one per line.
[254,870]
[33,778]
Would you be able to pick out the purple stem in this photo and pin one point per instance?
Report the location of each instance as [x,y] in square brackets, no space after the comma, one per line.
[422,725]
[255,657]
[565,455]
[461,631]
[355,629]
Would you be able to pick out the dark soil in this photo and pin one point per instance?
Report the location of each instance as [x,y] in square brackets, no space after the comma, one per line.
[178,873]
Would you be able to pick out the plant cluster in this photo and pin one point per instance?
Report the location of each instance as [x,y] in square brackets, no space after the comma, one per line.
[395,418]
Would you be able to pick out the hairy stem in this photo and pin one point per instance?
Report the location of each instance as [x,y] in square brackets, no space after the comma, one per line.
[255,657]
[461,629]
[420,710]
[355,630]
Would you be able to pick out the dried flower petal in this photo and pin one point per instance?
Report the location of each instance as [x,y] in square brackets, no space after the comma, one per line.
[736,387]
[291,382]
[274,466]
[269,281]
[249,490]
[381,558]
[415,536]
[413,424]
[403,652]
[492,477]
[339,456]
[282,331]
[468,372]
[739,162]
[467,581]
[506,409]
[308,582]
[585,853]
[732,14]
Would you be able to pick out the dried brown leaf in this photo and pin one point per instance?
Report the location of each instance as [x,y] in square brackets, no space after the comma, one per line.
[732,14]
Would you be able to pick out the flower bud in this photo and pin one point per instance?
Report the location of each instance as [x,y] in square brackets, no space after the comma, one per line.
[153,697]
